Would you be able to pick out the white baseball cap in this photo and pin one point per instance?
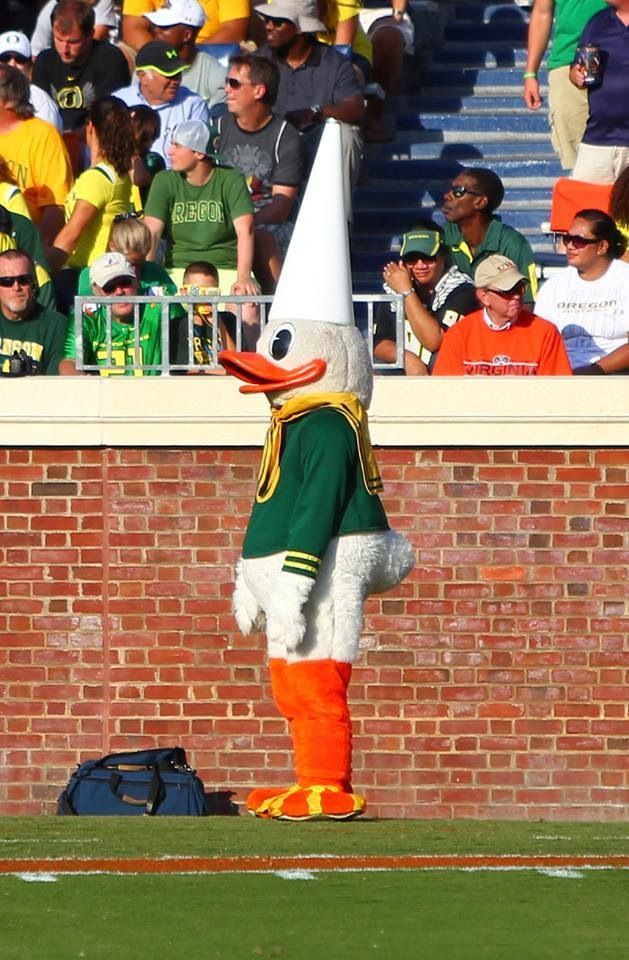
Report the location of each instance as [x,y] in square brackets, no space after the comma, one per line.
[110,266]
[187,12]
[15,42]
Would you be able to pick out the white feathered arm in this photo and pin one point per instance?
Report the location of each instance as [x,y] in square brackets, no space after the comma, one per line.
[285,617]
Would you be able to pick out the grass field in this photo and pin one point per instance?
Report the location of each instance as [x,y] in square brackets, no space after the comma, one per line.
[299,913]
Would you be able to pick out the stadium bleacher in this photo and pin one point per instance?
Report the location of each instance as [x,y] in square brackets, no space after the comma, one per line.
[462,106]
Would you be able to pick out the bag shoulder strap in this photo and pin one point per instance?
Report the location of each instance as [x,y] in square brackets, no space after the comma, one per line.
[165,758]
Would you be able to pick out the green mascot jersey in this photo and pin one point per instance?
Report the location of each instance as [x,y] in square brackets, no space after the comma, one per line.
[320,494]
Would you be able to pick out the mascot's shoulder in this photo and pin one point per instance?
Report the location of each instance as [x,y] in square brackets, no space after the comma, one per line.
[328,428]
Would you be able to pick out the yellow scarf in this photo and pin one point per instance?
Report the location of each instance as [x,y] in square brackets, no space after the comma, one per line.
[346,403]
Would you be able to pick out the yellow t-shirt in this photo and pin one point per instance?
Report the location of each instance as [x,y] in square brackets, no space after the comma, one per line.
[216,11]
[338,12]
[12,199]
[38,159]
[110,194]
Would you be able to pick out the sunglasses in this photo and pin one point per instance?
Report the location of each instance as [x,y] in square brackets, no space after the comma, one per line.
[235,84]
[23,280]
[516,291]
[410,259]
[457,190]
[14,58]
[276,21]
[121,217]
[576,241]
[119,283]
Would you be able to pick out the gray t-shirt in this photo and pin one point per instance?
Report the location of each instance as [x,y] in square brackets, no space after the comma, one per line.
[267,157]
[326,77]
[206,77]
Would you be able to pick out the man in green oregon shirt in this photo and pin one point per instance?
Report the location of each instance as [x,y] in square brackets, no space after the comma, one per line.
[132,351]
[473,232]
[30,334]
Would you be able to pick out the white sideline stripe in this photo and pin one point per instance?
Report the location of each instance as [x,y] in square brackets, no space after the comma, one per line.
[559,836]
[282,874]
[37,877]
[561,872]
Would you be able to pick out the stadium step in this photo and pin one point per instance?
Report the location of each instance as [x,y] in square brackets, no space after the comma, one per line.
[468,111]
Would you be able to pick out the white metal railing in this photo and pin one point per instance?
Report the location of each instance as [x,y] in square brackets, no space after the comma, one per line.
[243,332]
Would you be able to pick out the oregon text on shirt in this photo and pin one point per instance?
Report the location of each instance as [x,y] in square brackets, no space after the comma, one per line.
[201,211]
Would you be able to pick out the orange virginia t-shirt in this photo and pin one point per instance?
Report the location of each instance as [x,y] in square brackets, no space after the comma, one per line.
[530,347]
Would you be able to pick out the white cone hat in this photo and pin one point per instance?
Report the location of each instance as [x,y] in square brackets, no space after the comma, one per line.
[316,279]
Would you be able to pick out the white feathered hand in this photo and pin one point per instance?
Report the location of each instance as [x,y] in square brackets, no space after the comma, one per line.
[247,611]
[285,618]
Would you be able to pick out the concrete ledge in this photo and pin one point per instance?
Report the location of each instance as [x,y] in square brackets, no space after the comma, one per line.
[210,411]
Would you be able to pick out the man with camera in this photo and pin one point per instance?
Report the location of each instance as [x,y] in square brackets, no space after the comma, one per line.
[32,337]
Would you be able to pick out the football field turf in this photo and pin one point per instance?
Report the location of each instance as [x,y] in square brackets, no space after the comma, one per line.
[234,887]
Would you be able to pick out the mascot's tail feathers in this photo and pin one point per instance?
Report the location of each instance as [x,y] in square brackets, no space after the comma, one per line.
[382,560]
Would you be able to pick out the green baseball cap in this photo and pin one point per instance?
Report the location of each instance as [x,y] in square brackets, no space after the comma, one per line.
[421,241]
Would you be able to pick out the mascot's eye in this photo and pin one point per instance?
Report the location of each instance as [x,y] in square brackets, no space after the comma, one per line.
[282,342]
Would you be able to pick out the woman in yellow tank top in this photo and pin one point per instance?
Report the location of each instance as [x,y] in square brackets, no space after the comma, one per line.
[101,193]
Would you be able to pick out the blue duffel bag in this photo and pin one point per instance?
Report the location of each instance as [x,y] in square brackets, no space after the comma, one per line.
[152,782]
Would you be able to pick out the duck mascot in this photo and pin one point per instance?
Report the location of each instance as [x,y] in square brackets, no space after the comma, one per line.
[318,542]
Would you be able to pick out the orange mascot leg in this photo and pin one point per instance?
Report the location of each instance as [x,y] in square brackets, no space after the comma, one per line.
[312,696]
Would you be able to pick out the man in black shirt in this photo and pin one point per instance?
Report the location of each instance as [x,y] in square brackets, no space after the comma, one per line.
[78,69]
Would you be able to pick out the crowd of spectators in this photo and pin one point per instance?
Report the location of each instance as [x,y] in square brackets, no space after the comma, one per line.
[137,159]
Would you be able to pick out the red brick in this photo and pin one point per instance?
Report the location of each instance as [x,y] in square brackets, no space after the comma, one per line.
[509,638]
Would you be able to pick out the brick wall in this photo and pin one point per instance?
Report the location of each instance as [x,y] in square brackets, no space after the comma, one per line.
[493,683]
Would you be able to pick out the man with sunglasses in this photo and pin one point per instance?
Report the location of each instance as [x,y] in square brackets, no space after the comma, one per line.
[436,294]
[157,84]
[29,333]
[317,83]
[473,231]
[136,330]
[15,49]
[502,338]
[267,149]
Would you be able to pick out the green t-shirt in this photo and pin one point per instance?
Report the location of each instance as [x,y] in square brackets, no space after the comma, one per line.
[123,342]
[320,494]
[500,238]
[41,336]
[570,18]
[199,221]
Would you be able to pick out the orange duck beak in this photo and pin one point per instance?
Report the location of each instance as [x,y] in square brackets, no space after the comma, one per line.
[262,376]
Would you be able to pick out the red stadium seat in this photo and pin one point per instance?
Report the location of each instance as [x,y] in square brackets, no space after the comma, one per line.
[570,196]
